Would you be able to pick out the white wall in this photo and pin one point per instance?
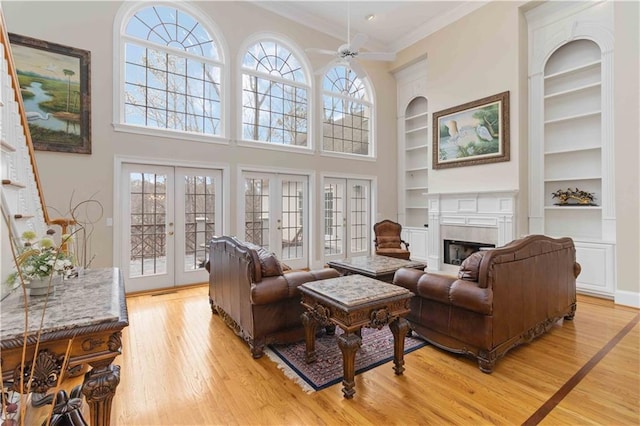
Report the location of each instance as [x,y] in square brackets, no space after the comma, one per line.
[484,53]
[89,25]
[626,104]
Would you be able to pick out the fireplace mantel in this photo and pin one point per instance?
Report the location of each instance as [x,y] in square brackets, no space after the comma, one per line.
[488,209]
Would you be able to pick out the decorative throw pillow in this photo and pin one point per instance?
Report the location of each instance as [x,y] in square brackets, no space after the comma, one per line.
[470,267]
[269,263]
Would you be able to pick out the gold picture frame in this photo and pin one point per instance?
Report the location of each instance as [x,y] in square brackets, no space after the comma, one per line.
[55,86]
[473,133]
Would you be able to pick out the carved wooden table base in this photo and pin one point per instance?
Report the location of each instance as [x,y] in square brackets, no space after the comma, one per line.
[85,319]
[352,302]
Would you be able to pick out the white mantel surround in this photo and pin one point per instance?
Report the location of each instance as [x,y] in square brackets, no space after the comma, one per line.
[490,209]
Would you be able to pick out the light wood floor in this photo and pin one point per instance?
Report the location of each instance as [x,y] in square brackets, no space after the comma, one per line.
[181,365]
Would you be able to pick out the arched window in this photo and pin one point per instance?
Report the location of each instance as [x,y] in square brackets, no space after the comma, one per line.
[172,72]
[275,95]
[346,124]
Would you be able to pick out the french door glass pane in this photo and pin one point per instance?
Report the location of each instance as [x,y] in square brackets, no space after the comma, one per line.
[333,218]
[292,219]
[148,224]
[199,219]
[256,201]
[359,203]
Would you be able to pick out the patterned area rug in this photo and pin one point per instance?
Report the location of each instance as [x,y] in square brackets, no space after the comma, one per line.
[376,349]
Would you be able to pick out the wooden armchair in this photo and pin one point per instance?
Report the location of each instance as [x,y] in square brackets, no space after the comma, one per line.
[388,241]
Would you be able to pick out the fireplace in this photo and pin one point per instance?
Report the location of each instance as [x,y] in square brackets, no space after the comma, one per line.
[482,217]
[455,251]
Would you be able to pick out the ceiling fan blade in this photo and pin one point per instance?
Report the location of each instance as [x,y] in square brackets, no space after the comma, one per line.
[356,68]
[377,56]
[321,51]
[358,41]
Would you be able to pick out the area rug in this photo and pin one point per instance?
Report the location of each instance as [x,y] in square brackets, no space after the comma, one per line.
[376,349]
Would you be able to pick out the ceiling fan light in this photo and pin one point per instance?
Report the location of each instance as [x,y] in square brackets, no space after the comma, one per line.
[370,17]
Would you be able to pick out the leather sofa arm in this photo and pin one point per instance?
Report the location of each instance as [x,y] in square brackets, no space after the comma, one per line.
[408,278]
[577,268]
[423,284]
[273,289]
[446,289]
[468,295]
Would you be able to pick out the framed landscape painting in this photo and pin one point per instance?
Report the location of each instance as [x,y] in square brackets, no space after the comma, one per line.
[474,133]
[55,86]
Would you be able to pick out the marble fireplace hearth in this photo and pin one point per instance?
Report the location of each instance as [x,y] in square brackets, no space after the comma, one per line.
[480,217]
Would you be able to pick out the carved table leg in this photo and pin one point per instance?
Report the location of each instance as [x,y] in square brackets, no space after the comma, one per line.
[399,327]
[310,324]
[349,344]
[99,387]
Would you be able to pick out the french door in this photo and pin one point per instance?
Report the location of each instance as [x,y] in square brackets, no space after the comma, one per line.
[347,218]
[274,214]
[168,215]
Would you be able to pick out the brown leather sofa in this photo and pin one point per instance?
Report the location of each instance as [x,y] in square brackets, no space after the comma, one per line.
[248,289]
[501,298]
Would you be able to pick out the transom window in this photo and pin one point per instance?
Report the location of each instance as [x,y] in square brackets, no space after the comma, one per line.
[172,72]
[275,95]
[347,113]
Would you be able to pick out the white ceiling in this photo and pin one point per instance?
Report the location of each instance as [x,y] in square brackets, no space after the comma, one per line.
[397,24]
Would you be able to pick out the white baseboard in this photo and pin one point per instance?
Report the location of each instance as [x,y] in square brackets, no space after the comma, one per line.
[627,298]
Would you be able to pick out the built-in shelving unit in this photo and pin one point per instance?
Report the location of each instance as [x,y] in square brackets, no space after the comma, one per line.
[571,132]
[572,92]
[413,158]
[416,157]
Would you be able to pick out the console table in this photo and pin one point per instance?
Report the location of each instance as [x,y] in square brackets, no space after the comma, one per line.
[379,267]
[352,302]
[88,315]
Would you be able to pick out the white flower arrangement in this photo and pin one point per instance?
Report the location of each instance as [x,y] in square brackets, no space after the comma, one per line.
[41,258]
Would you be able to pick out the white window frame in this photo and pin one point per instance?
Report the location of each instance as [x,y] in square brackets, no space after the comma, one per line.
[125,13]
[370,94]
[310,86]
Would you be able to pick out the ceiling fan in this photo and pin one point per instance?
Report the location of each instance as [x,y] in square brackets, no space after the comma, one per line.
[349,53]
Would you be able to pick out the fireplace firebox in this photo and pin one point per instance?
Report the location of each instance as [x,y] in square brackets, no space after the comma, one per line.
[456,251]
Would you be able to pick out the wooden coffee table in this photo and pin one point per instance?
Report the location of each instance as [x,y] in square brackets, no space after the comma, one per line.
[352,302]
[379,267]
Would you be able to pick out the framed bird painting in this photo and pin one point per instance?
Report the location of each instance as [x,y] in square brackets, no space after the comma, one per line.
[55,87]
[471,134]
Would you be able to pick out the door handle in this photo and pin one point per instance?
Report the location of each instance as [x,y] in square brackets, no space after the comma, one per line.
[170,233]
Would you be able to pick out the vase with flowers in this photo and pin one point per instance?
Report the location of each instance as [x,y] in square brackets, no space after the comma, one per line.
[38,262]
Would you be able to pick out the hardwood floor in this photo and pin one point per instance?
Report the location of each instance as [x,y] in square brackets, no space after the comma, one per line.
[181,365]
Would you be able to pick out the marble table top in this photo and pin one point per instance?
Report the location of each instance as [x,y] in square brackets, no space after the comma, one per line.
[352,290]
[377,264]
[94,298]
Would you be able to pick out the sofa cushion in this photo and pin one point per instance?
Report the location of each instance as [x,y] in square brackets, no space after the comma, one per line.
[470,267]
[388,242]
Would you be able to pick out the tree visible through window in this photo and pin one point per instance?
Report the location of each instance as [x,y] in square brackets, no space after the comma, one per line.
[172,72]
[347,113]
[274,95]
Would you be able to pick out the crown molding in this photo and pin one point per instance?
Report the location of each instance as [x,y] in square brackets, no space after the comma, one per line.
[338,31]
[437,23]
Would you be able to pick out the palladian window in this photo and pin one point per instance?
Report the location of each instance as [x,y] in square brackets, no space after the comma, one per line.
[172,72]
[347,113]
[275,95]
